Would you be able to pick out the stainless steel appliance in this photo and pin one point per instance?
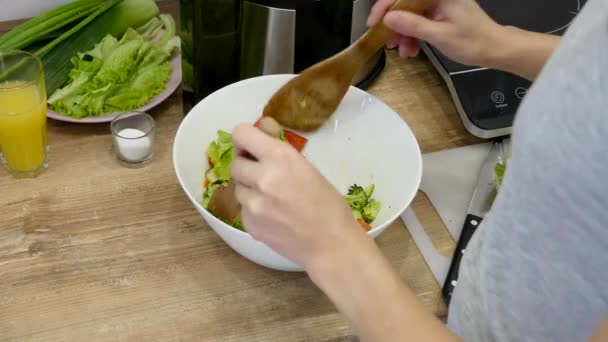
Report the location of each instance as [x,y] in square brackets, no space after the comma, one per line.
[287,36]
[224,41]
[488,99]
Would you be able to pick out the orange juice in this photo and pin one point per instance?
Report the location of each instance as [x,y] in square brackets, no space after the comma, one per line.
[23,132]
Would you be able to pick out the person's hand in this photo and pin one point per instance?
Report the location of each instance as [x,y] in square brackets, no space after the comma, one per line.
[286,202]
[460,29]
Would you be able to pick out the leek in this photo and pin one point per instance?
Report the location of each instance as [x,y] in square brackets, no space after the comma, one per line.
[92,20]
[40,27]
[115,21]
[106,6]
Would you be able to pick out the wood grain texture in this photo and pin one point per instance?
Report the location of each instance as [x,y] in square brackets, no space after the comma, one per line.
[93,251]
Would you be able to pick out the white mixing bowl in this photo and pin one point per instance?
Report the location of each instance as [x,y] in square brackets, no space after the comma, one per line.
[364,142]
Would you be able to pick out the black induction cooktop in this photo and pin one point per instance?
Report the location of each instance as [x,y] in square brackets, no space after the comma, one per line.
[487,99]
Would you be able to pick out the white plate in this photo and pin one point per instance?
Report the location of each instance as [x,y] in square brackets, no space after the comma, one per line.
[174,82]
[364,142]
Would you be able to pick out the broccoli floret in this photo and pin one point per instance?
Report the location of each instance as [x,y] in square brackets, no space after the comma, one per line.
[361,202]
[356,197]
[354,189]
[370,211]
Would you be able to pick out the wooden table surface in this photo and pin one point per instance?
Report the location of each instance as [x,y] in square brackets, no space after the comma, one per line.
[93,251]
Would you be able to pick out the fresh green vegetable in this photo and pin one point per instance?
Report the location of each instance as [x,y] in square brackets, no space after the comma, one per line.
[361,202]
[59,34]
[282,136]
[115,21]
[41,27]
[499,171]
[371,210]
[151,28]
[119,75]
[69,33]
[220,153]
[356,197]
[238,223]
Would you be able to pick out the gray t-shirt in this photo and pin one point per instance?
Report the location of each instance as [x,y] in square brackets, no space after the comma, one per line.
[537,269]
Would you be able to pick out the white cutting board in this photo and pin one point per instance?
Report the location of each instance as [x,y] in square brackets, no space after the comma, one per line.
[448,180]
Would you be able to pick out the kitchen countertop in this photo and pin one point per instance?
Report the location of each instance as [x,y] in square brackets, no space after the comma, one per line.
[91,250]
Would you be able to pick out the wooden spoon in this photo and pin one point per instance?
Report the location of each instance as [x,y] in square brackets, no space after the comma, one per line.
[308,100]
[224,205]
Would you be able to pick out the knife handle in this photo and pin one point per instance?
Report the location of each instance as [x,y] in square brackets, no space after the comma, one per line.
[470,226]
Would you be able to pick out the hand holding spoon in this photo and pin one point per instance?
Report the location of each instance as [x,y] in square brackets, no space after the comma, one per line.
[308,100]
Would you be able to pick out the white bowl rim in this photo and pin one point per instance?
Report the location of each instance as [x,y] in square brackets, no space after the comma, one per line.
[287,77]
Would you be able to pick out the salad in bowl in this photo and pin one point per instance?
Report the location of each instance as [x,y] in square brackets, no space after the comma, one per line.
[365,150]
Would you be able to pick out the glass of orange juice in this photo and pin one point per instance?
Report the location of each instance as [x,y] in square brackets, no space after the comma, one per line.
[23,130]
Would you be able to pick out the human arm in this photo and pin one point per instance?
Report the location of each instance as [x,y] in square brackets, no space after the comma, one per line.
[465,33]
[288,205]
[601,333]
[366,289]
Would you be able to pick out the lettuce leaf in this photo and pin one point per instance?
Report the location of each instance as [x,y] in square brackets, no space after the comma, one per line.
[119,75]
[221,154]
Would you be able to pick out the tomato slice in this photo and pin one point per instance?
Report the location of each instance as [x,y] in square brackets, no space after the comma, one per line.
[364,224]
[295,140]
[206,183]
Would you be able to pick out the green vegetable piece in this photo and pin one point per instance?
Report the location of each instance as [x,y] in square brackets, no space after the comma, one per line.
[238,223]
[220,150]
[356,197]
[221,153]
[370,211]
[355,189]
[361,202]
[115,21]
[40,27]
[282,136]
[119,75]
[499,171]
[369,191]
[136,93]
[119,64]
[150,29]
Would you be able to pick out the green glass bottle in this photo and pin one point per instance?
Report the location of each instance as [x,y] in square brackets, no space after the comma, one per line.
[187,47]
[216,41]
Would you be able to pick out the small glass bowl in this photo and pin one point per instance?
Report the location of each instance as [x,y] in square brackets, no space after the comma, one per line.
[133,136]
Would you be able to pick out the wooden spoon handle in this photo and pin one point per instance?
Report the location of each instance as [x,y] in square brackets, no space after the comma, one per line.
[376,37]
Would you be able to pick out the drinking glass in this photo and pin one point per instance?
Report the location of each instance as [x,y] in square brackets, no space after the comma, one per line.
[23,129]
